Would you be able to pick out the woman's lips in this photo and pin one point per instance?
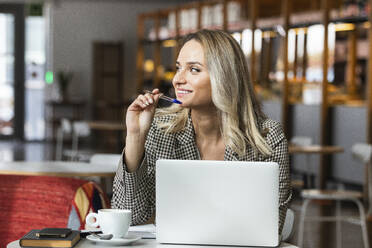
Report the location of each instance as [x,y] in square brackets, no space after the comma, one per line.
[182,92]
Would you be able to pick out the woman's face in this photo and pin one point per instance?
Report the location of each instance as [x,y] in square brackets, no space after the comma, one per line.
[191,82]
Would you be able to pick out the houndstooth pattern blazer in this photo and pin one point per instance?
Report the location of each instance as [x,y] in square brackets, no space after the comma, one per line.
[136,191]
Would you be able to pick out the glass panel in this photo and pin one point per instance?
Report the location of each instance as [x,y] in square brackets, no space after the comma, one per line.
[6,74]
[35,71]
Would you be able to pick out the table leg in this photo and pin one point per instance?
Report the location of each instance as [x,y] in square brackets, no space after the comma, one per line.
[327,228]
[369,228]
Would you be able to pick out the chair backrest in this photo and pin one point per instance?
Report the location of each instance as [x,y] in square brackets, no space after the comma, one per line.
[288,225]
[36,202]
[362,152]
[301,141]
[81,128]
[105,158]
[66,125]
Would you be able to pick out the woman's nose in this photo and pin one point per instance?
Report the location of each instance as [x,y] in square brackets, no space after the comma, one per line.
[179,78]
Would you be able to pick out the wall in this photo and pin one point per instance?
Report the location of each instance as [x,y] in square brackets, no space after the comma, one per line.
[75,25]
[306,122]
[272,109]
[349,125]
[348,128]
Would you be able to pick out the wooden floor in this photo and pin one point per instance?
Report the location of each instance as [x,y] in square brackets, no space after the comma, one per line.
[316,234]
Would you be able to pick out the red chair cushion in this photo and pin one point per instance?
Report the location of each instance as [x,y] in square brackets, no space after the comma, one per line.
[34,202]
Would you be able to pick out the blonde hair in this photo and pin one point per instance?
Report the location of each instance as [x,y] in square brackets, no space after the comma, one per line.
[232,94]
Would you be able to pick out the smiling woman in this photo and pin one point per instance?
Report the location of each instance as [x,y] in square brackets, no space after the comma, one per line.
[219,119]
[215,66]
[192,82]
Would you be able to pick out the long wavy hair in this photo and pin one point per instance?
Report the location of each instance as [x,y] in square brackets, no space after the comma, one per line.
[232,93]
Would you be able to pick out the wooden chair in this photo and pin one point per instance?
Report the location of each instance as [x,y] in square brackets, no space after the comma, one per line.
[363,152]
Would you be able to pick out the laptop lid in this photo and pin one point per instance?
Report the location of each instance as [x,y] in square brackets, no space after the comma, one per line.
[217,202]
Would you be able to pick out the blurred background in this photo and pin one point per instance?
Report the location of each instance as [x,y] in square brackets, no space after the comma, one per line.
[70,68]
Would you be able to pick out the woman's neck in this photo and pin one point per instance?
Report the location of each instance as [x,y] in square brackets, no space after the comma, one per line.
[206,124]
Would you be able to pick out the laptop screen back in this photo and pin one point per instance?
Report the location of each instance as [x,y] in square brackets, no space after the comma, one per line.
[217,202]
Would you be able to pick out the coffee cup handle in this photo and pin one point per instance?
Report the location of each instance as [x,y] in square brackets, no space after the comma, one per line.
[89,219]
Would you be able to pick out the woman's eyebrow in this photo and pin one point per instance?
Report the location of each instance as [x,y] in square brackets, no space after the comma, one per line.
[191,63]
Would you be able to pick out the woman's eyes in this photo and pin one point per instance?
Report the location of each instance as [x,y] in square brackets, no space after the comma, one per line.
[192,69]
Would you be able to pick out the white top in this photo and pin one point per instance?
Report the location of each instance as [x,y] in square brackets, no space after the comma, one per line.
[143,243]
[57,168]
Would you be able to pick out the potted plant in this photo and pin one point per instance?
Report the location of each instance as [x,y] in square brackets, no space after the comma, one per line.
[64,78]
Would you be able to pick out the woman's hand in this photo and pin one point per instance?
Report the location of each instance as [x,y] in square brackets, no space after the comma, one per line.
[138,120]
[141,113]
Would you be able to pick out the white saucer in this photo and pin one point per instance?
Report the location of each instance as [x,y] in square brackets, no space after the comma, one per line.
[115,241]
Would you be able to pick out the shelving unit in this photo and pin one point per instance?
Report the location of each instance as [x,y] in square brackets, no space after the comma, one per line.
[108,80]
[109,105]
[272,19]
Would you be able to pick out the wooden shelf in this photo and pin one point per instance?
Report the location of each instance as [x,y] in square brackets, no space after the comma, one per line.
[150,42]
[273,24]
[352,19]
[286,15]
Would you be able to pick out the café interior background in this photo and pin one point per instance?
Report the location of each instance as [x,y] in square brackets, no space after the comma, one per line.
[108,51]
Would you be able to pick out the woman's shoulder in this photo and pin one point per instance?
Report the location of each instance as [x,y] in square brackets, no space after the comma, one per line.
[271,124]
[273,131]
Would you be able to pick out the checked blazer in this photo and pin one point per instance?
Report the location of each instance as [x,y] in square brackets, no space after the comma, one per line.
[136,191]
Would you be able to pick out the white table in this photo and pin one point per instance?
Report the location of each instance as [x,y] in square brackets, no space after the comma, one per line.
[143,243]
[57,168]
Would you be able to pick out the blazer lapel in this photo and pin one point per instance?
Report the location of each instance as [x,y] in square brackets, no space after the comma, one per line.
[230,155]
[185,147]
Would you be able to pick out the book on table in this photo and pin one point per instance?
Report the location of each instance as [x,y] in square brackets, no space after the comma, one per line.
[33,239]
[54,232]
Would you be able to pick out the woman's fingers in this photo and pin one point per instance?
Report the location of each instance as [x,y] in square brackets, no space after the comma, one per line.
[147,99]
[155,91]
[137,104]
[143,100]
[151,97]
[156,95]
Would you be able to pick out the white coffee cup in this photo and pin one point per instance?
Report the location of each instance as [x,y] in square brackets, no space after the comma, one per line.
[111,221]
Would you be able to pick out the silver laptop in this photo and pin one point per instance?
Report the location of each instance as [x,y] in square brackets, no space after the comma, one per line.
[217,202]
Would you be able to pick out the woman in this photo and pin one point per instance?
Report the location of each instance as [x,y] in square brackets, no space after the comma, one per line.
[219,119]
